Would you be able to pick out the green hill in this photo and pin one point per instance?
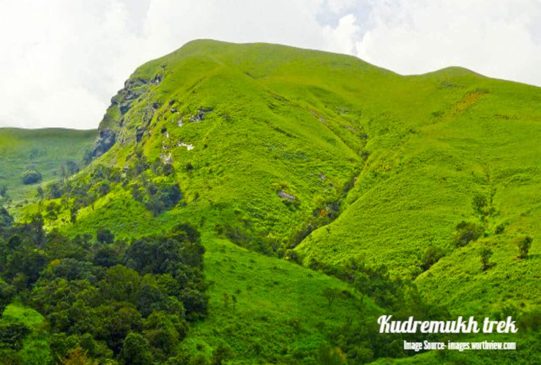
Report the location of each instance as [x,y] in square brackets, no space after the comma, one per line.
[47,151]
[282,156]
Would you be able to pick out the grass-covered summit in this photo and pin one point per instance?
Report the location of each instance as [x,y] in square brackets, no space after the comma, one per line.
[323,160]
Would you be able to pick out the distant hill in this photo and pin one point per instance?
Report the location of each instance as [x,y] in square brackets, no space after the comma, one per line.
[284,157]
[42,150]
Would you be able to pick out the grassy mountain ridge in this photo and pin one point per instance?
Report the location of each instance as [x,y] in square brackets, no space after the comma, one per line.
[318,158]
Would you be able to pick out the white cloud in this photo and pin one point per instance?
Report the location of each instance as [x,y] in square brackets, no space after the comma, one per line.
[496,38]
[342,37]
[62,60]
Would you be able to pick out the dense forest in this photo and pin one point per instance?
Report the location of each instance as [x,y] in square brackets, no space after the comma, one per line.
[102,298]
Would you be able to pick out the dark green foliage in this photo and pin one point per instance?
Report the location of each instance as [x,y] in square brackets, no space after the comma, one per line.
[136,350]
[26,263]
[500,228]
[3,191]
[111,302]
[162,332]
[524,245]
[107,256]
[485,254]
[331,295]
[480,205]
[7,292]
[5,219]
[31,176]
[157,196]
[431,255]
[73,269]
[12,335]
[467,232]
[221,354]
[163,197]
[54,190]
[71,167]
[103,235]
[329,355]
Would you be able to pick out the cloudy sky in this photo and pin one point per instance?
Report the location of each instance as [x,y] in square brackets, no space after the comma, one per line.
[62,60]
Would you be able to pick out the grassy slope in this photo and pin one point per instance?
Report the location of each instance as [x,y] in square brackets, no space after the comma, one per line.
[280,307]
[307,122]
[480,143]
[45,149]
[294,120]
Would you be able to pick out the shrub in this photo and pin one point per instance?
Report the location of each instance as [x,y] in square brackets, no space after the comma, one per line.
[431,256]
[524,247]
[467,232]
[31,176]
[103,235]
[136,350]
[485,254]
[5,219]
[12,334]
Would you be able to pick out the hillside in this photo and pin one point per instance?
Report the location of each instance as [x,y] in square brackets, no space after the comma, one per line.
[294,163]
[44,150]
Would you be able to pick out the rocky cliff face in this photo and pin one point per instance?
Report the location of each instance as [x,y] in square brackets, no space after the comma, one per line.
[118,114]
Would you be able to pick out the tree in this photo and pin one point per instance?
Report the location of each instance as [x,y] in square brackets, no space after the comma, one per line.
[103,235]
[524,247]
[78,356]
[12,335]
[28,261]
[431,256]
[106,256]
[120,284]
[73,215]
[329,355]
[221,354]
[31,176]
[5,219]
[485,254]
[480,205]
[162,196]
[55,190]
[136,350]
[161,333]
[331,294]
[71,167]
[6,294]
[40,193]
[467,232]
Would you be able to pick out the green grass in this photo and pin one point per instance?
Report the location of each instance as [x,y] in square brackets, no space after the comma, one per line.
[280,307]
[44,149]
[403,156]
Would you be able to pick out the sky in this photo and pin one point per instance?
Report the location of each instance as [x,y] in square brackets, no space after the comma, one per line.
[61,61]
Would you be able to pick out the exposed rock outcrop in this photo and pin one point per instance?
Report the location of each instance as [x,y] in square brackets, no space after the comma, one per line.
[105,141]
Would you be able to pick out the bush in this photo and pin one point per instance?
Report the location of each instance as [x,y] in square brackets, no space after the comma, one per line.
[485,254]
[12,335]
[5,219]
[31,176]
[467,232]
[103,235]
[431,256]
[136,350]
[524,247]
